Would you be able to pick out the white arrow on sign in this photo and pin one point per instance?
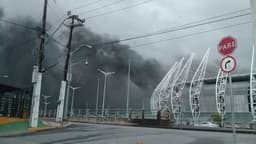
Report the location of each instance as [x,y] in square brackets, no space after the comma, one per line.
[228,64]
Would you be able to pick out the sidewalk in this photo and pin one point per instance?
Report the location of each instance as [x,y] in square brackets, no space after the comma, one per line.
[6,120]
[15,126]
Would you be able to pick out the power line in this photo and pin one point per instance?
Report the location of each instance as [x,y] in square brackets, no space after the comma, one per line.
[192,34]
[58,7]
[172,30]
[214,17]
[55,64]
[182,28]
[85,5]
[54,32]
[147,1]
[150,43]
[60,18]
[19,25]
[118,10]
[54,11]
[57,29]
[57,42]
[104,6]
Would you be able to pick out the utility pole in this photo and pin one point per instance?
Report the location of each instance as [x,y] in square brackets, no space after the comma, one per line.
[45,104]
[106,74]
[75,22]
[37,73]
[97,98]
[128,88]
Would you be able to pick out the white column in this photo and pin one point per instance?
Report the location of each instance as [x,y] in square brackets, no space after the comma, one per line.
[37,80]
[60,108]
[252,73]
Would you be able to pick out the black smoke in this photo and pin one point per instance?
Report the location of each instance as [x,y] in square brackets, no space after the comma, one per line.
[17,45]
[114,57]
[1,13]
[18,53]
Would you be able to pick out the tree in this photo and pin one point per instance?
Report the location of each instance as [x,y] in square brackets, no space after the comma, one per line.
[216,117]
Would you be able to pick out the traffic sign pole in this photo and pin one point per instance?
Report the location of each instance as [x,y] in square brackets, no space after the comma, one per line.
[227,46]
[232,109]
[228,65]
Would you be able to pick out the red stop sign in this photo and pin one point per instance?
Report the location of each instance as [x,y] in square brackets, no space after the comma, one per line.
[227,45]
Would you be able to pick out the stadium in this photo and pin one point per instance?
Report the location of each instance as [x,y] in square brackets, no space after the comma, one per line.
[195,101]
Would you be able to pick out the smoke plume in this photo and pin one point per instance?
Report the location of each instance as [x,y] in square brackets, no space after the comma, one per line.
[18,50]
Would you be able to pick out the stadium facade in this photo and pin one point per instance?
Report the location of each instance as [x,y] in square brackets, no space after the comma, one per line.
[197,99]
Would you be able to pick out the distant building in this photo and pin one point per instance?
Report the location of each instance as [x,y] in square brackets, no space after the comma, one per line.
[14,102]
[240,88]
[240,91]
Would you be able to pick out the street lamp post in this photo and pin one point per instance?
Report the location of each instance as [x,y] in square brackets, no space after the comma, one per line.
[97,97]
[128,88]
[45,103]
[72,101]
[106,74]
[70,74]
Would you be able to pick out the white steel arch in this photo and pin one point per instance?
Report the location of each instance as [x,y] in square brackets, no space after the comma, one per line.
[220,90]
[196,85]
[177,89]
[253,86]
[159,100]
[164,92]
[175,75]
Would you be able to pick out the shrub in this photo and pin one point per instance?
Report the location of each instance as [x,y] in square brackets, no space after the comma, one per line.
[216,117]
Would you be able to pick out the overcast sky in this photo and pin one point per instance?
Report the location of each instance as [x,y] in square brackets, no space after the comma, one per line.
[155,15]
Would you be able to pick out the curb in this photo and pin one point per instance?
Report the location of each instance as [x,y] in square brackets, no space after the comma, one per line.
[224,130]
[106,123]
[33,131]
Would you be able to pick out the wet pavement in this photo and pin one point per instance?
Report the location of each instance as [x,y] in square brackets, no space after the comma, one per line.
[108,134]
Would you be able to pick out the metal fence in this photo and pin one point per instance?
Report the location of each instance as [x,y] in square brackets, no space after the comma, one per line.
[242,120]
[14,102]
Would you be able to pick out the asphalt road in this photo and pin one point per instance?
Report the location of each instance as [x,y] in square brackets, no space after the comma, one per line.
[105,134]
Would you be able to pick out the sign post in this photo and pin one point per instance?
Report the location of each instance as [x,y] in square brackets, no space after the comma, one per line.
[232,109]
[227,46]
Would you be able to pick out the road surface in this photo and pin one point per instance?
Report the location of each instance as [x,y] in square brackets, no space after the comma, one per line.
[106,134]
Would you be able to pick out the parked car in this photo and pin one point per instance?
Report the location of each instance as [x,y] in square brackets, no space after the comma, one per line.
[206,124]
[230,125]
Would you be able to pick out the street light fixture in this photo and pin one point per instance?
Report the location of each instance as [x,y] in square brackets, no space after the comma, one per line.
[106,74]
[78,48]
[4,76]
[86,62]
